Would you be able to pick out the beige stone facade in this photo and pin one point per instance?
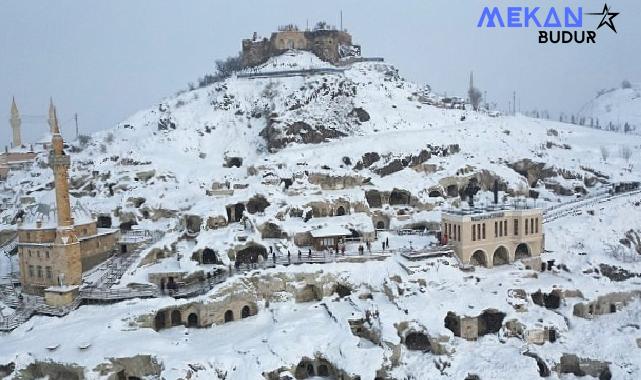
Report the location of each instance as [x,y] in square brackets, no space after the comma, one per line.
[495,237]
[60,295]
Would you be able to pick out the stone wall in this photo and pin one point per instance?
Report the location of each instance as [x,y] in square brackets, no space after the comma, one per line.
[609,303]
[326,44]
[242,299]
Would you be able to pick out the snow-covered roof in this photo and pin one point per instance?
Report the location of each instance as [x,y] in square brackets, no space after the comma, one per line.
[330,231]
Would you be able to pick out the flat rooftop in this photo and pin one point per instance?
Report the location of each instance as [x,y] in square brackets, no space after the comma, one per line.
[492,209]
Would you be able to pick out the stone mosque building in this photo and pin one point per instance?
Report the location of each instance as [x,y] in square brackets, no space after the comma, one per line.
[58,241]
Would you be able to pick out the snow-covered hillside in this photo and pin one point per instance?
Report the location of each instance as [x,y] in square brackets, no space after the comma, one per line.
[616,109]
[297,145]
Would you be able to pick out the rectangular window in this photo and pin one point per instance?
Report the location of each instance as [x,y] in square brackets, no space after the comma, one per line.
[500,229]
[526,226]
[516,227]
[47,254]
[473,232]
[39,269]
[483,230]
[48,272]
[459,232]
[536,225]
[505,228]
[496,229]
[454,237]
[31,271]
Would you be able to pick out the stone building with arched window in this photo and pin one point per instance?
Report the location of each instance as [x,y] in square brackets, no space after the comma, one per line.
[495,236]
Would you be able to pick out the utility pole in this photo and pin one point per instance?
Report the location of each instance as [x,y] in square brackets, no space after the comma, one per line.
[75,117]
[341,20]
[514,103]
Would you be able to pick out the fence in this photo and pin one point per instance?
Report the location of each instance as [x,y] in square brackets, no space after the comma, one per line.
[289,73]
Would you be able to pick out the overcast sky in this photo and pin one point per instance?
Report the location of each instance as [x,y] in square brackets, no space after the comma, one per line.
[107,59]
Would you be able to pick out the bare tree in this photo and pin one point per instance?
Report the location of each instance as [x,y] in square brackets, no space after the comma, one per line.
[84,140]
[604,153]
[475,96]
[625,152]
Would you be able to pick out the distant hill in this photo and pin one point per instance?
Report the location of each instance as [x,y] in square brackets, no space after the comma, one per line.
[614,109]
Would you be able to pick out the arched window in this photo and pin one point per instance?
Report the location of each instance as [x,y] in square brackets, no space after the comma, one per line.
[245,312]
[522,251]
[478,258]
[192,320]
[500,256]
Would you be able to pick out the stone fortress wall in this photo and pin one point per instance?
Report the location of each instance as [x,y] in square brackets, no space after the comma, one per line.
[330,45]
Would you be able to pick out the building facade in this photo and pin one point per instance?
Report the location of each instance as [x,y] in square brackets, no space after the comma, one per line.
[493,237]
[56,244]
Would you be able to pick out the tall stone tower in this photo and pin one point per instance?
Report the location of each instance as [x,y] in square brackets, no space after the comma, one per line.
[66,248]
[15,122]
[51,115]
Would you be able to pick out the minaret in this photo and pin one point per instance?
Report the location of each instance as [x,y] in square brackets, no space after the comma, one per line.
[51,115]
[15,122]
[66,248]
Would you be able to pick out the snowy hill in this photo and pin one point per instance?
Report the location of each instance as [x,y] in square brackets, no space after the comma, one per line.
[614,109]
[298,145]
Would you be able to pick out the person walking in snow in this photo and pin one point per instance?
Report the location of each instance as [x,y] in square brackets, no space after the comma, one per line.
[383,244]
[289,257]
[309,254]
[387,242]
[300,254]
[343,249]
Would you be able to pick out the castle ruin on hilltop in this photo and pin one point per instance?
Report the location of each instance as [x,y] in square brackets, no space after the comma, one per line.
[327,42]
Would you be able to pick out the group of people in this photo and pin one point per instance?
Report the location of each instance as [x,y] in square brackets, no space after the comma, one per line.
[341,248]
[368,245]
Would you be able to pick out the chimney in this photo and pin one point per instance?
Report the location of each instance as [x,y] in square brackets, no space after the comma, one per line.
[496,191]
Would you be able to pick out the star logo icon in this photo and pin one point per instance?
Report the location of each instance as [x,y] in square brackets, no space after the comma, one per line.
[607,18]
